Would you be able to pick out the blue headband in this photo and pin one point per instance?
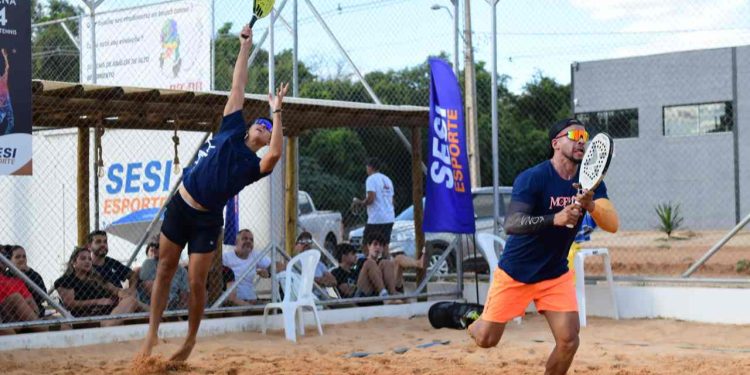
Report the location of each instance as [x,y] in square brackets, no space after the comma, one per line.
[265,122]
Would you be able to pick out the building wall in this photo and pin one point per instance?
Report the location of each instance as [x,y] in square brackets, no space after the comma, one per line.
[696,172]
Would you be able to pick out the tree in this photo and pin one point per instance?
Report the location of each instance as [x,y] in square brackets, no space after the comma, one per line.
[55,56]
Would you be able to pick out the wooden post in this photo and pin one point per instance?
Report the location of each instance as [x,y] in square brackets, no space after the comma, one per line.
[82,206]
[417,194]
[290,190]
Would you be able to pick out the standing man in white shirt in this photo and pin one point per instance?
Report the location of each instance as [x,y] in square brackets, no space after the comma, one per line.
[243,257]
[379,202]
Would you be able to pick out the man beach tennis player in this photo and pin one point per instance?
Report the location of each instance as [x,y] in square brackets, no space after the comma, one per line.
[224,166]
[533,265]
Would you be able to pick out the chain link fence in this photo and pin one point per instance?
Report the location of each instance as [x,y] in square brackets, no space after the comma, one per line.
[621,72]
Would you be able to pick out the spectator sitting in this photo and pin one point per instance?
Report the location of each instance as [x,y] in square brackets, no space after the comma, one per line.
[178,291]
[110,269]
[86,293]
[16,303]
[377,276]
[17,255]
[322,276]
[227,282]
[241,258]
[346,273]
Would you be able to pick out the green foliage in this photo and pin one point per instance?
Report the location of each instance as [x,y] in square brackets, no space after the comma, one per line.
[743,266]
[328,190]
[669,217]
[340,151]
[55,56]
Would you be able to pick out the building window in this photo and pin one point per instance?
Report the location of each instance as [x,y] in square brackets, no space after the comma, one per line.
[621,123]
[697,119]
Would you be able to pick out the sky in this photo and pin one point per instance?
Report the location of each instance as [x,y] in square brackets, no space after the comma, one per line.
[542,36]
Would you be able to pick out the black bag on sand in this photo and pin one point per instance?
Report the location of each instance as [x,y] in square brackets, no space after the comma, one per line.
[454,315]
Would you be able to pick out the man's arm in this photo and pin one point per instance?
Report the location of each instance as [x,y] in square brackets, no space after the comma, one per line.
[132,280]
[605,215]
[601,209]
[239,76]
[326,280]
[269,160]
[521,221]
[368,199]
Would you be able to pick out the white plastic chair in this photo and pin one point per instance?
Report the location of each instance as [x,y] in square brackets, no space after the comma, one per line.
[581,281]
[486,243]
[297,296]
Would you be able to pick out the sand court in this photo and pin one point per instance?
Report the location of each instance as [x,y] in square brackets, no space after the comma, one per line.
[654,346]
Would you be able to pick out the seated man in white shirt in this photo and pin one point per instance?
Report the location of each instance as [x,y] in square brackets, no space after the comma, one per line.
[243,257]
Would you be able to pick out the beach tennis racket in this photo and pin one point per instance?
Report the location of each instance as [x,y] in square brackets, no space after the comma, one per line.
[261,8]
[595,162]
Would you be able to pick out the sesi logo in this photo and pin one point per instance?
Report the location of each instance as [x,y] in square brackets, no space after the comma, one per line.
[138,177]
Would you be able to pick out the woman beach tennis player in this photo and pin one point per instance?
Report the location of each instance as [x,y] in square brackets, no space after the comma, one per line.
[193,217]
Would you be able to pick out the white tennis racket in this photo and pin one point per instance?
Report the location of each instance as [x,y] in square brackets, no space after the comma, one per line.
[595,162]
[261,8]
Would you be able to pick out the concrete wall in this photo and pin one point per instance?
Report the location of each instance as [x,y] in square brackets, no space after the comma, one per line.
[695,171]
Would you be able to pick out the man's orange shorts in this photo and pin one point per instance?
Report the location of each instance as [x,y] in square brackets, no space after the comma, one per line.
[508,298]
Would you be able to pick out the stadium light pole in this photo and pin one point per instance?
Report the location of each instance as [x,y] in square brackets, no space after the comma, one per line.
[454,16]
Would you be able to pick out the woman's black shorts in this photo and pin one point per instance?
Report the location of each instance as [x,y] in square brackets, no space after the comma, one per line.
[183,225]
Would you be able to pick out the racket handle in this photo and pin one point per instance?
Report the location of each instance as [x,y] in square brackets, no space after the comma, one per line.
[571,225]
[252,22]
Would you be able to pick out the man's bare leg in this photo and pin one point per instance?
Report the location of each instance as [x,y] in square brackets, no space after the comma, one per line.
[169,258]
[389,271]
[198,269]
[126,305]
[486,334]
[370,279]
[565,328]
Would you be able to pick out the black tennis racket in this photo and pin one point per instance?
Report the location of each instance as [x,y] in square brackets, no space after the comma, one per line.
[261,8]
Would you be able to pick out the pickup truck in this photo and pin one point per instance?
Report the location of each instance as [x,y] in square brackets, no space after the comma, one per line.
[325,226]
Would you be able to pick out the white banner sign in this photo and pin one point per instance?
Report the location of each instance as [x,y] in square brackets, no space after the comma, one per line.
[161,46]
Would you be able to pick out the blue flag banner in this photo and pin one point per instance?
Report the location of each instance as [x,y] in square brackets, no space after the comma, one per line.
[231,221]
[448,202]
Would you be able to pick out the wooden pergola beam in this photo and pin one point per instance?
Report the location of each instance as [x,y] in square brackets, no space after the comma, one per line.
[71,105]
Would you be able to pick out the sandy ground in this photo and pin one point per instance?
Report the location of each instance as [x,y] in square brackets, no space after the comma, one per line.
[607,347]
[651,253]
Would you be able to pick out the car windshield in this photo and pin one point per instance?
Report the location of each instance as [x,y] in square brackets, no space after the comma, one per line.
[407,214]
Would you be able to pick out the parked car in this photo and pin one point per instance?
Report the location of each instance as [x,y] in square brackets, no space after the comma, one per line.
[403,235]
[325,226]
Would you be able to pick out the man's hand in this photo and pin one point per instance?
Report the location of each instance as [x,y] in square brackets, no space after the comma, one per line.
[5,53]
[585,198]
[275,102]
[569,215]
[326,280]
[246,32]
[263,273]
[125,293]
